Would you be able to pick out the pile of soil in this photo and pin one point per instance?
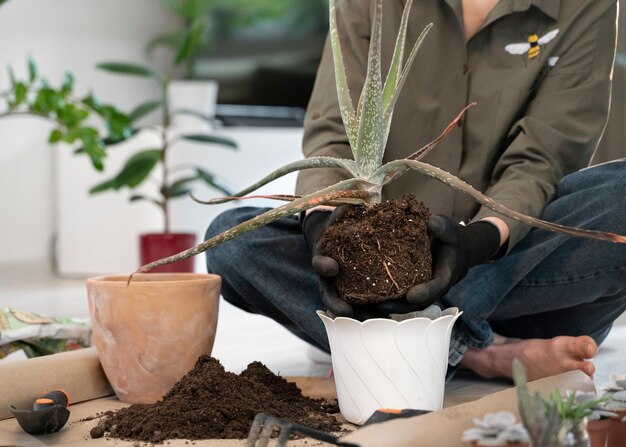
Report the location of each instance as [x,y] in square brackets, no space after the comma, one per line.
[211,403]
[382,250]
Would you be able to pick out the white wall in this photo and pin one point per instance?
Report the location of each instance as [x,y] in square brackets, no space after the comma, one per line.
[61,35]
[44,190]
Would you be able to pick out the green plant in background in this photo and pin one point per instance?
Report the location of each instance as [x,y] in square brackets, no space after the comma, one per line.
[175,181]
[367,129]
[70,115]
[206,20]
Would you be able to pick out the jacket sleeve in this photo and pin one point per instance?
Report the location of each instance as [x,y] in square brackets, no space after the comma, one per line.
[324,133]
[563,121]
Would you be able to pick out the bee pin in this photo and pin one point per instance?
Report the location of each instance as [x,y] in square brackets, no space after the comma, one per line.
[533,46]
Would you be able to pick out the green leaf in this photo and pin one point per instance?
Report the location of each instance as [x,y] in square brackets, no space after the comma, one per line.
[169,40]
[32,69]
[206,138]
[20,93]
[348,115]
[11,76]
[372,134]
[137,168]
[180,187]
[68,82]
[213,181]
[298,165]
[104,186]
[190,42]
[128,69]
[144,109]
[398,55]
[141,197]
[346,189]
[208,119]
[55,136]
[405,71]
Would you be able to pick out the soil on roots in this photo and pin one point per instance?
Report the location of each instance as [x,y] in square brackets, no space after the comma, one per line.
[382,250]
[211,403]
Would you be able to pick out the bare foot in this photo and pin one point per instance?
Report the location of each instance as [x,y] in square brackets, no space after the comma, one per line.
[541,358]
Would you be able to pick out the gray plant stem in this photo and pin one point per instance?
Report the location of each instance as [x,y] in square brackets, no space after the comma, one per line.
[165,125]
[345,191]
[400,166]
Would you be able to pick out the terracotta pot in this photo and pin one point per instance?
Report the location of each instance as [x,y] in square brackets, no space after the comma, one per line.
[155,246]
[149,334]
[598,430]
[617,431]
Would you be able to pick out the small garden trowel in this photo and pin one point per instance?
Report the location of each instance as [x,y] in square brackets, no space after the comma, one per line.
[48,415]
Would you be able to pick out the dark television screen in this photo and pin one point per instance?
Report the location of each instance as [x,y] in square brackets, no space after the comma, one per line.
[265,52]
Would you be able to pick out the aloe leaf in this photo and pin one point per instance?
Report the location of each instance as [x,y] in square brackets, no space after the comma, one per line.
[346,108]
[388,112]
[371,138]
[457,183]
[345,189]
[398,56]
[307,163]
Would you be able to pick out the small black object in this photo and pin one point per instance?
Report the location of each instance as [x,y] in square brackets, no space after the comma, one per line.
[264,426]
[385,414]
[48,414]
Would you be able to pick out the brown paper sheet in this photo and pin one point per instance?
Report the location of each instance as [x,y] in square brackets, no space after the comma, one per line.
[80,373]
[77,372]
[445,428]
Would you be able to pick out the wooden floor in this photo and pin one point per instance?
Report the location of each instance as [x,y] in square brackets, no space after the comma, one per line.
[242,337]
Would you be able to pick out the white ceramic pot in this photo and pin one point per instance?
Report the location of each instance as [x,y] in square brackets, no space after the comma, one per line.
[383,363]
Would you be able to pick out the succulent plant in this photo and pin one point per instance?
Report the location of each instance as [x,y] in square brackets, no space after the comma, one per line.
[597,410]
[367,128]
[544,418]
[615,390]
[497,429]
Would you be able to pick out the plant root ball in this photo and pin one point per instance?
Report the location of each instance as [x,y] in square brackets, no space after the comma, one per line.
[382,250]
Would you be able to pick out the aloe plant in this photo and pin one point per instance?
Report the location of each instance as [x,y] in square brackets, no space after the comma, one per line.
[367,128]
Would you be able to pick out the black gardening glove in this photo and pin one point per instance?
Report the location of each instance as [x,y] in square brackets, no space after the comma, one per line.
[456,248]
[314,225]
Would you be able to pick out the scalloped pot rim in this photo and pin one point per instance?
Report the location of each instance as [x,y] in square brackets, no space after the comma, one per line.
[448,313]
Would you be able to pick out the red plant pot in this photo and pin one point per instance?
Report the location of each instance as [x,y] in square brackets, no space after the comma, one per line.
[155,246]
[617,432]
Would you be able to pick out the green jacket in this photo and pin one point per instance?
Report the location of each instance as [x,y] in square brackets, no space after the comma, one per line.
[541,109]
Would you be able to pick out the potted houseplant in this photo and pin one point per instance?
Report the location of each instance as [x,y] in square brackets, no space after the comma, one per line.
[615,391]
[367,128]
[497,429]
[174,180]
[598,421]
[557,421]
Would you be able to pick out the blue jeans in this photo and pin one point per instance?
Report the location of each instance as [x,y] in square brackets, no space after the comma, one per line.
[548,285]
